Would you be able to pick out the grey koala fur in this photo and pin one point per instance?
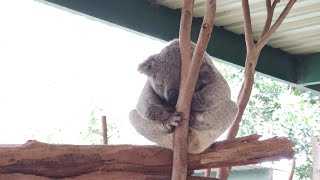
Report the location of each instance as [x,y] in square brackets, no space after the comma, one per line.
[212,110]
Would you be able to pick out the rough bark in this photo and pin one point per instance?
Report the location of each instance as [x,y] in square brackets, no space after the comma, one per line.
[35,158]
[180,143]
[189,76]
[98,175]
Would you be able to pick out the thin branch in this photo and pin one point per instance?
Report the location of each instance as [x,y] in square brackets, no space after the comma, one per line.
[270,10]
[274,4]
[104,129]
[263,41]
[184,38]
[247,24]
[293,166]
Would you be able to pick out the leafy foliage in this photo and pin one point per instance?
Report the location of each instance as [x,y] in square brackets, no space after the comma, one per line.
[278,109]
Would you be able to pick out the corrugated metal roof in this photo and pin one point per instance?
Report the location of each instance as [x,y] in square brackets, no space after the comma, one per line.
[298,34]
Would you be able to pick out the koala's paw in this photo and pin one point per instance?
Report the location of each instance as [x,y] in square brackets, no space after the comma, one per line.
[173,121]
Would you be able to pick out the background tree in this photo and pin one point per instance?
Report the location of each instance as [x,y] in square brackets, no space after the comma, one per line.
[278,109]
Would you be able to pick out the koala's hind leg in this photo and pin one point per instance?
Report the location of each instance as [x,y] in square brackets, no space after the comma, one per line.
[154,131]
[210,125]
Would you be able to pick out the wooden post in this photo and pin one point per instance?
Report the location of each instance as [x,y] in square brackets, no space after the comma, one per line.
[104,129]
[189,77]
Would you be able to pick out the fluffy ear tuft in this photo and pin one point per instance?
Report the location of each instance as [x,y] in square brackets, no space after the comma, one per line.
[148,66]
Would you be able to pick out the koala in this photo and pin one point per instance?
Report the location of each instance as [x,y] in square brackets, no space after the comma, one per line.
[212,110]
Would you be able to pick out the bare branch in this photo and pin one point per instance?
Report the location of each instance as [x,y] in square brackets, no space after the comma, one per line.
[270,10]
[184,38]
[247,24]
[263,41]
[180,143]
[104,130]
[274,4]
[293,166]
[187,89]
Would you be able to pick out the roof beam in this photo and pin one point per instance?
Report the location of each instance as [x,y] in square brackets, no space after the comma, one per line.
[309,74]
[162,22]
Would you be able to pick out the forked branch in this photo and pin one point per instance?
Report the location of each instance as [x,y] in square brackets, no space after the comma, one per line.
[189,76]
[270,10]
[263,41]
[253,52]
[179,169]
[180,143]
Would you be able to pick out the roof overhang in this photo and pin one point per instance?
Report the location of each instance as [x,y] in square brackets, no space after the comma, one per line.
[163,23]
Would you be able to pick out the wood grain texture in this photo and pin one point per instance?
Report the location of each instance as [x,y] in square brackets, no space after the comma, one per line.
[36,158]
[99,176]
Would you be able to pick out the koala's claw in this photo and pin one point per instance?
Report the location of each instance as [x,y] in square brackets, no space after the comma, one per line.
[174,121]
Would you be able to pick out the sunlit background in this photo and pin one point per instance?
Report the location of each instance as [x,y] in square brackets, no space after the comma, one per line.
[56,67]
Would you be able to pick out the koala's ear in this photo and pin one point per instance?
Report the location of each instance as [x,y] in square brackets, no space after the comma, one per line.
[148,66]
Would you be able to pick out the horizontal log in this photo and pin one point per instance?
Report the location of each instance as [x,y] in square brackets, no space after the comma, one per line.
[99,175]
[58,160]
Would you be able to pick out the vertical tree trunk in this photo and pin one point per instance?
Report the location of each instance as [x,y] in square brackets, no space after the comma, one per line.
[189,76]
[315,158]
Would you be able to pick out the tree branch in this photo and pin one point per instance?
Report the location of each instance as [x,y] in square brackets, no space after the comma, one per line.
[104,129]
[270,10]
[180,143]
[253,52]
[263,41]
[247,25]
[293,166]
[187,85]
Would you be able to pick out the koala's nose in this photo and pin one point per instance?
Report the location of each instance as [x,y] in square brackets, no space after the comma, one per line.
[172,96]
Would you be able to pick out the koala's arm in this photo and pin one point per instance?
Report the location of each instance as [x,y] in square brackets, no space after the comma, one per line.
[150,106]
